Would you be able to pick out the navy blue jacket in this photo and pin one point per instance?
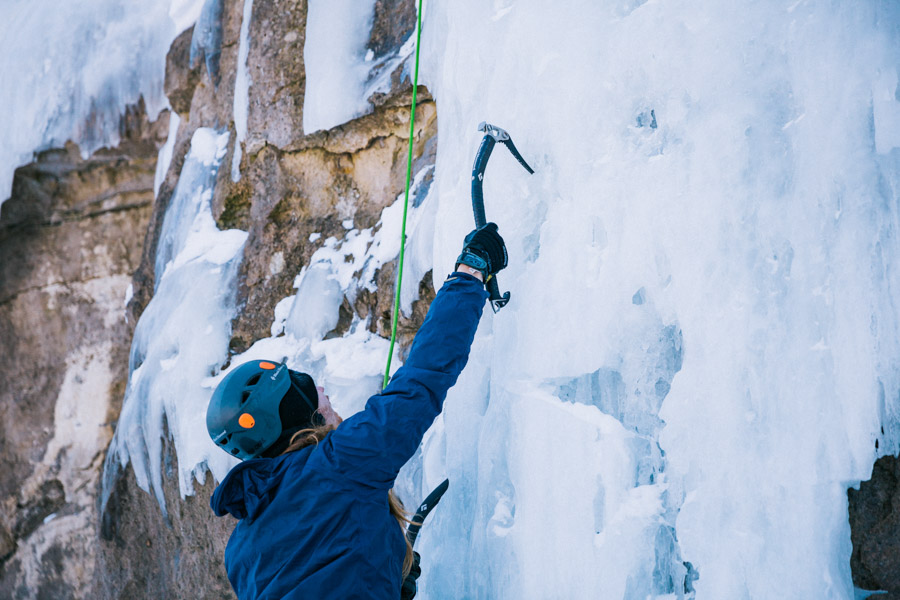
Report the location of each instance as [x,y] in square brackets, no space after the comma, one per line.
[315,524]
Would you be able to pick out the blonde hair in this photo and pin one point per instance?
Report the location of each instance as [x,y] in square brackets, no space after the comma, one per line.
[314,435]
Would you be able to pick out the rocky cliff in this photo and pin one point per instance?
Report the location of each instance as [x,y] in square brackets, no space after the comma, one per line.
[875,529]
[70,239]
[77,246]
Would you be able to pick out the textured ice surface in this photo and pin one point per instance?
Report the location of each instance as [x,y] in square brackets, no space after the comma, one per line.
[206,41]
[70,68]
[704,266]
[182,335]
[341,74]
[334,56]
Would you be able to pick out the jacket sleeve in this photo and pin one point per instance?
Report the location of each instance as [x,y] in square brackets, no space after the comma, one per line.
[371,446]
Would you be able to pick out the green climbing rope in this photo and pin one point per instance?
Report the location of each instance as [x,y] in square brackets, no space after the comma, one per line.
[395,317]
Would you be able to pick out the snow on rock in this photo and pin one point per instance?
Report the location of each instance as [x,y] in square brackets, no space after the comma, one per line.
[350,367]
[182,335]
[334,56]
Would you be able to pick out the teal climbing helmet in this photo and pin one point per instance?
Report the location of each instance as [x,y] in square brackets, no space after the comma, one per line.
[258,404]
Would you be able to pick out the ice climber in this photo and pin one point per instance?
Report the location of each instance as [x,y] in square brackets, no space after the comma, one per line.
[317,517]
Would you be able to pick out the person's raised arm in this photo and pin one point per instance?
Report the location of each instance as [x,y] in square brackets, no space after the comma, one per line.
[371,446]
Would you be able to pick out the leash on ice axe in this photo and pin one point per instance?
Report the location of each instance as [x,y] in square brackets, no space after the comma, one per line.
[492,135]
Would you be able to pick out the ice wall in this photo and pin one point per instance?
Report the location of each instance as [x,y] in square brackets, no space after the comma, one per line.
[71,68]
[701,347]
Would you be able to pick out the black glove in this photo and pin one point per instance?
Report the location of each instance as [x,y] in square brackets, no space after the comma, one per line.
[409,589]
[483,249]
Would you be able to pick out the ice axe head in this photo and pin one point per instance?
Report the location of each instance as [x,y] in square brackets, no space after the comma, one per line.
[499,134]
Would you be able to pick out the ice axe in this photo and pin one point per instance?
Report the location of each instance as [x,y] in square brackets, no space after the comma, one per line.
[412,532]
[492,135]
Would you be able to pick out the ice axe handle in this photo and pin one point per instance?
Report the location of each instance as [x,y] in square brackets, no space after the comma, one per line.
[498,300]
[481,160]
[412,532]
[492,135]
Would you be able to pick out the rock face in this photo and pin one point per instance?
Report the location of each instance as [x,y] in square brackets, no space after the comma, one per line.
[77,234]
[352,173]
[875,529]
[394,21]
[142,554]
[70,238]
[275,66]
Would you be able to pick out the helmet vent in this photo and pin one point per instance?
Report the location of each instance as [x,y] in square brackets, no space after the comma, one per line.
[234,451]
[253,380]
[224,440]
[245,396]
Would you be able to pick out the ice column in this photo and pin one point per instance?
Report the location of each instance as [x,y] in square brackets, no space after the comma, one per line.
[182,336]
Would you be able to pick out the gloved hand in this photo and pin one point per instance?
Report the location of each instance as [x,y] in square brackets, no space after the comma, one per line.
[484,249]
[409,589]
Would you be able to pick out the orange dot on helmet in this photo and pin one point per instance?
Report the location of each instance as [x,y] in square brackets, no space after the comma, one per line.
[267,365]
[246,421]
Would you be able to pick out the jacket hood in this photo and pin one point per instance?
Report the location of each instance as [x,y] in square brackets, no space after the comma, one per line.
[248,488]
